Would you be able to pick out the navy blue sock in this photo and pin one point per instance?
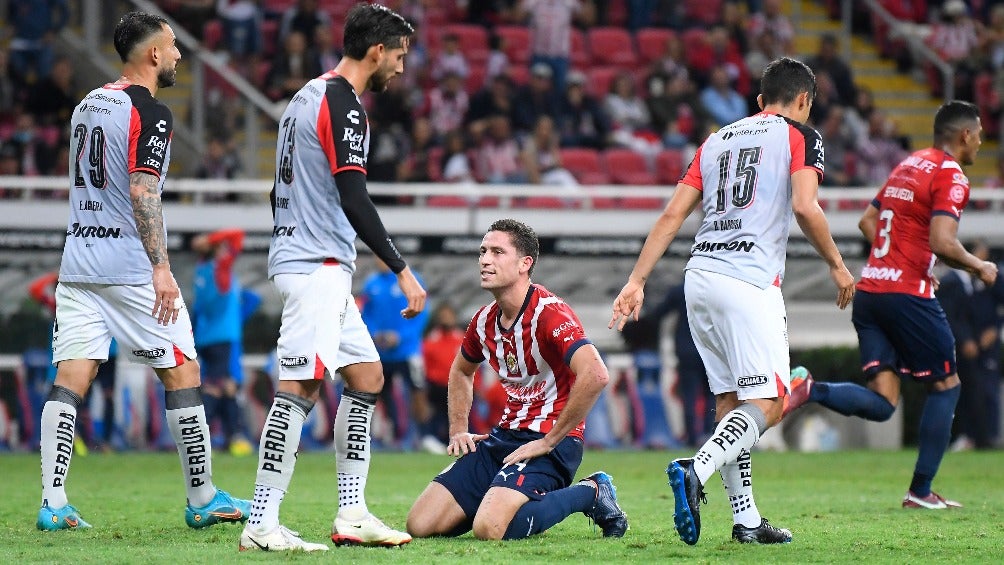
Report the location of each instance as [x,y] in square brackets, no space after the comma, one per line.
[934,434]
[852,399]
[538,515]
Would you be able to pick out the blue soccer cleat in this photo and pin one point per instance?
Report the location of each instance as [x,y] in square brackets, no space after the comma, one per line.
[65,518]
[605,511]
[222,508]
[689,494]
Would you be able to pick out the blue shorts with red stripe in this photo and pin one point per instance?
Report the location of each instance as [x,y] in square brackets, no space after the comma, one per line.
[907,334]
[470,477]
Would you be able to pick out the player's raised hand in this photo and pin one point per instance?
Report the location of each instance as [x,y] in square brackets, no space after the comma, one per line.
[845,285]
[527,451]
[464,443]
[987,272]
[627,304]
[168,296]
[413,291]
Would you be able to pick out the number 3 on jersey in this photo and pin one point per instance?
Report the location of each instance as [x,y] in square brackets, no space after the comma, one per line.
[285,171]
[745,184]
[884,238]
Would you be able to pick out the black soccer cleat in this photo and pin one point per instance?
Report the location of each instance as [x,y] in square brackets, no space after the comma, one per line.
[764,533]
[605,511]
[689,494]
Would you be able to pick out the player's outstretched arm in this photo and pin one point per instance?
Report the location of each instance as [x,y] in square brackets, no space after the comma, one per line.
[628,303]
[810,217]
[590,378]
[459,399]
[148,211]
[944,241]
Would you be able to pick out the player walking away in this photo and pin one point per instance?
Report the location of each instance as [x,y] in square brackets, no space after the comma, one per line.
[902,330]
[320,204]
[749,177]
[517,480]
[115,279]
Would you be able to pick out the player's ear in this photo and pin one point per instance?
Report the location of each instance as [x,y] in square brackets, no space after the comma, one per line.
[759,100]
[375,52]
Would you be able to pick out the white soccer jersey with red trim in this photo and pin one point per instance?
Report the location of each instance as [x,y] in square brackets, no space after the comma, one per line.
[531,358]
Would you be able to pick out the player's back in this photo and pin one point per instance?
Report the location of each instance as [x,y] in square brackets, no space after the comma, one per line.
[744,171]
[116,130]
[927,183]
[323,131]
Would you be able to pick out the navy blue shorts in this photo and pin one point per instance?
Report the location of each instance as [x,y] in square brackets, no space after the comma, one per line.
[215,362]
[470,477]
[905,333]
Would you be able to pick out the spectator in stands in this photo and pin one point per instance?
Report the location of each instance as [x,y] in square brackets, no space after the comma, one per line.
[828,60]
[675,115]
[241,28]
[328,54]
[581,122]
[456,164]
[447,104]
[498,61]
[541,157]
[490,13]
[858,114]
[388,147]
[496,98]
[721,101]
[35,24]
[640,13]
[11,91]
[394,105]
[840,145]
[303,17]
[219,162]
[879,152]
[497,158]
[34,155]
[630,121]
[673,59]
[737,25]
[765,49]
[540,97]
[294,65]
[771,18]
[52,99]
[191,14]
[551,33]
[443,337]
[826,96]
[954,38]
[416,166]
[450,59]
[723,53]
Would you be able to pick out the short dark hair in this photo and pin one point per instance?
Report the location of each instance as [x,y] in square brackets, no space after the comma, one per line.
[523,238]
[952,117]
[784,79]
[133,29]
[372,24]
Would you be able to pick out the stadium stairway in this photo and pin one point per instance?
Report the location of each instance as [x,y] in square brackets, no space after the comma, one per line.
[903,98]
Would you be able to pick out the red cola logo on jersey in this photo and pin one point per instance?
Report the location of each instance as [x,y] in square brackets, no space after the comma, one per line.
[355,139]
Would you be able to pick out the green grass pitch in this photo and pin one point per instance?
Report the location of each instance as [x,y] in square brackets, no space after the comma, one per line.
[841,507]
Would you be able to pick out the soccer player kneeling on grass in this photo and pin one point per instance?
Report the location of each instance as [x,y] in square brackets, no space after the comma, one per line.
[517,480]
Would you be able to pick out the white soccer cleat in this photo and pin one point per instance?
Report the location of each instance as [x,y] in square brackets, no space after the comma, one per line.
[367,531]
[933,501]
[279,539]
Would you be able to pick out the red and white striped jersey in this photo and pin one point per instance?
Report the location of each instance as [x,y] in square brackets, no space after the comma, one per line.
[531,358]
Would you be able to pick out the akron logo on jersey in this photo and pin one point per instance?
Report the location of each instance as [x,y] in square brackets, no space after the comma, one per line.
[753,380]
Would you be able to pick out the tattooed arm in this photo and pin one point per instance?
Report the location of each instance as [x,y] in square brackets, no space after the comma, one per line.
[148,212]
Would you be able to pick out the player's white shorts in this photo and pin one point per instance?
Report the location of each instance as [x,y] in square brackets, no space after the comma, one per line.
[321,325]
[741,333]
[89,315]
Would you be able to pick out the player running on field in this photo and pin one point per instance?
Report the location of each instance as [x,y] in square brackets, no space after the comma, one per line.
[115,279]
[902,330]
[749,178]
[320,205]
[517,480]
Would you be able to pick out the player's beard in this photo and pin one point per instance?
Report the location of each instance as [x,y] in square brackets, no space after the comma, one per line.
[381,78]
[166,77]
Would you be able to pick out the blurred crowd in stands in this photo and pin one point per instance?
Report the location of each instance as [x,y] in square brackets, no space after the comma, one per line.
[560,92]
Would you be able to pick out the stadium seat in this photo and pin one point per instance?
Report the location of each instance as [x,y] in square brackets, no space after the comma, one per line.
[652,43]
[212,35]
[473,41]
[612,46]
[585,164]
[580,55]
[516,42]
[598,80]
[270,38]
[617,13]
[627,167]
[475,79]
[669,166]
[548,202]
[519,74]
[702,12]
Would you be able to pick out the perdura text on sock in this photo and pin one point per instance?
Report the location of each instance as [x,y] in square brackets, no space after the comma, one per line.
[195,448]
[275,436]
[64,447]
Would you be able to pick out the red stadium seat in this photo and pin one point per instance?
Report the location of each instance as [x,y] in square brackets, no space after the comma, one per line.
[598,80]
[519,74]
[475,78]
[549,202]
[652,43]
[703,12]
[473,41]
[580,55]
[585,164]
[270,38]
[212,35]
[516,43]
[612,46]
[617,13]
[669,166]
[627,167]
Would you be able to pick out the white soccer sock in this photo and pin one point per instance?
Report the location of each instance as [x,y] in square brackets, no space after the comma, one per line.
[352,451]
[737,476]
[186,418]
[738,430]
[59,417]
[277,458]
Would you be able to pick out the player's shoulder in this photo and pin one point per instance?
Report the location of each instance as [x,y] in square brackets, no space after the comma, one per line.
[807,132]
